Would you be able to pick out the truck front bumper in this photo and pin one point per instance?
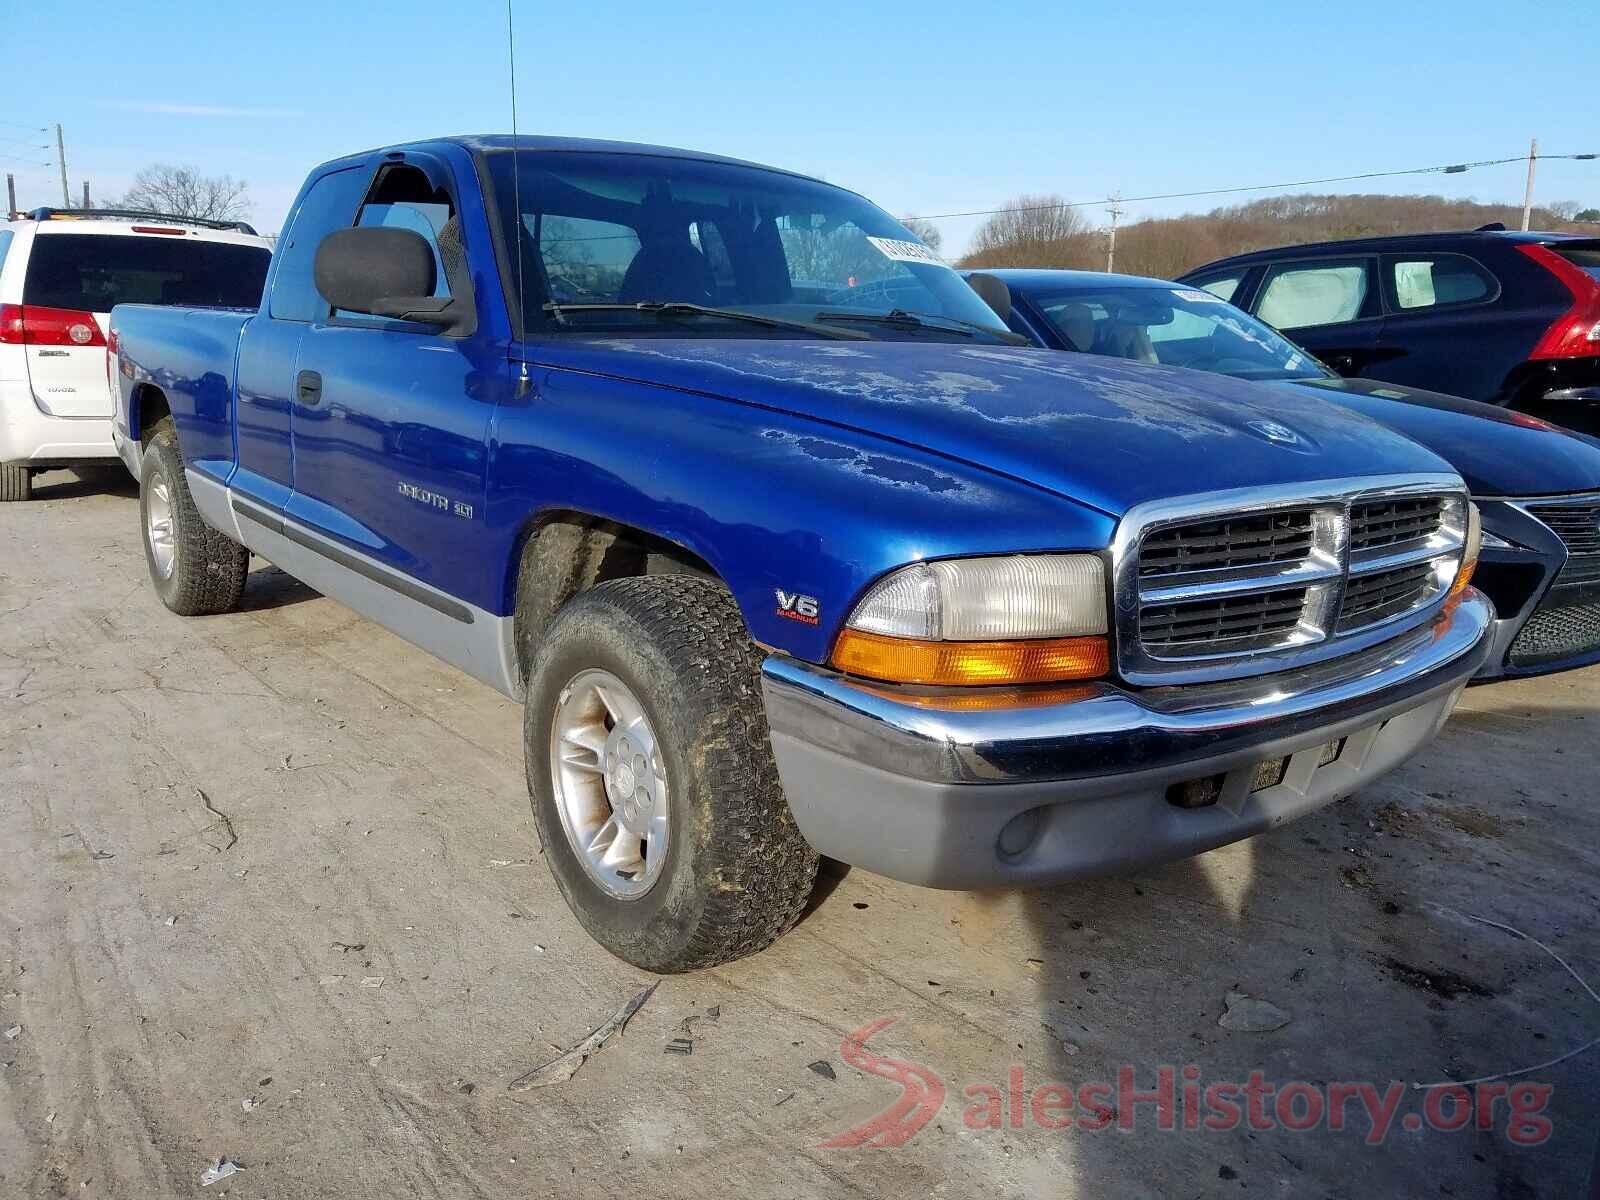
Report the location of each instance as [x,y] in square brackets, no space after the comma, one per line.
[1067,783]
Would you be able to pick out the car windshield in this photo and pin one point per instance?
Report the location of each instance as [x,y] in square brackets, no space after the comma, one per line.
[1178,327]
[603,233]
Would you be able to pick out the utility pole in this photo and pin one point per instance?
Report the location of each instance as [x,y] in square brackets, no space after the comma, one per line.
[1111,241]
[11,196]
[86,203]
[61,158]
[1527,197]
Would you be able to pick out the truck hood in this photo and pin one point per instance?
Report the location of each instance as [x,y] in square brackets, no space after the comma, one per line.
[1498,452]
[1100,431]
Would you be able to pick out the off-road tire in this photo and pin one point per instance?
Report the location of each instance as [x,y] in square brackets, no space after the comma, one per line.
[738,872]
[16,482]
[209,568]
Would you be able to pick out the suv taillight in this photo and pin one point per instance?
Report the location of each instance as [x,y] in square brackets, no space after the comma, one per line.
[1576,333]
[31,325]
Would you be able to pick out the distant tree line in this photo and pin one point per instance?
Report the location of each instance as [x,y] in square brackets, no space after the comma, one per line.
[1041,231]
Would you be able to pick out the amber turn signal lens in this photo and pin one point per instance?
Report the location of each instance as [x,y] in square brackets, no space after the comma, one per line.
[970,664]
[1469,551]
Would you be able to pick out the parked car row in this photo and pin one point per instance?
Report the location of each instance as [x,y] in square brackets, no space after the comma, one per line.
[790,547]
[1512,319]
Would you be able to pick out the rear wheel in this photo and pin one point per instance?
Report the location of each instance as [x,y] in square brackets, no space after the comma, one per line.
[16,482]
[196,570]
[654,789]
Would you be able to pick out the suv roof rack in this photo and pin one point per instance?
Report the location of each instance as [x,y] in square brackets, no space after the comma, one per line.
[138,214]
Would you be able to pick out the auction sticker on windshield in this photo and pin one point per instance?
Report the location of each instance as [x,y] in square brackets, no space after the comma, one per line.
[1198,296]
[902,251]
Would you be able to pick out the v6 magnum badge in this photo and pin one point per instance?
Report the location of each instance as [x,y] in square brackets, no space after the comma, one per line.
[797,607]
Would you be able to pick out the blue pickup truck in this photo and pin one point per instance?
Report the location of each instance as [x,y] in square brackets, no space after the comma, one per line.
[784,543]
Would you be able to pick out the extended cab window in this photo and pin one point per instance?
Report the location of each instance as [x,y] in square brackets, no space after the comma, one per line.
[1303,294]
[329,205]
[1434,280]
[92,272]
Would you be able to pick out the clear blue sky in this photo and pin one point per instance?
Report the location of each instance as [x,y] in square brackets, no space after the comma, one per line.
[935,107]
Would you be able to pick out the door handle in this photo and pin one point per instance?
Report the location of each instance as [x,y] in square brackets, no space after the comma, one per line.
[308,387]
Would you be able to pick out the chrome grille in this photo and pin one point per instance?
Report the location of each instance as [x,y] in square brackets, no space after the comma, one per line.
[1254,581]
[1577,524]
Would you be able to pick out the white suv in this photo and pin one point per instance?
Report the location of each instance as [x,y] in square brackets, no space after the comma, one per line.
[60,273]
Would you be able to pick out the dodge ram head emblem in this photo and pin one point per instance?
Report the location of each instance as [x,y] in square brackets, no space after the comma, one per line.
[1273,432]
[797,607]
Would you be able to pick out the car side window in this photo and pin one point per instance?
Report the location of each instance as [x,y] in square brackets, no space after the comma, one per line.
[1300,295]
[5,244]
[329,205]
[1437,280]
[1223,287]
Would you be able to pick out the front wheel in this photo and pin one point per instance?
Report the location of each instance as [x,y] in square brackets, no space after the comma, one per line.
[654,788]
[196,570]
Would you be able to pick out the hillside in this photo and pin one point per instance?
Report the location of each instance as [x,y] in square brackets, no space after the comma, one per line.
[1169,246]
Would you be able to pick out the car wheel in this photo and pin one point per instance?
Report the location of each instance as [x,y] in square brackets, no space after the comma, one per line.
[196,570]
[16,482]
[650,768]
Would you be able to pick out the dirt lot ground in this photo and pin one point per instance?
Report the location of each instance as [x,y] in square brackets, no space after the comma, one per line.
[269,890]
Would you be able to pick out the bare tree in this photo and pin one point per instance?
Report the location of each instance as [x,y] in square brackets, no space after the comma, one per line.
[926,230]
[1034,231]
[184,192]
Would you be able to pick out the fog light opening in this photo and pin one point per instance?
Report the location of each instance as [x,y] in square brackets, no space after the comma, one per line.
[1196,793]
[1019,834]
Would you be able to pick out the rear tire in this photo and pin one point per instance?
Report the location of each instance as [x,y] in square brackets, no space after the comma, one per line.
[16,482]
[196,570]
[735,873]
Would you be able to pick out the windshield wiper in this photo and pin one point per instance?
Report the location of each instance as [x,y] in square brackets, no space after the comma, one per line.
[906,319]
[680,308]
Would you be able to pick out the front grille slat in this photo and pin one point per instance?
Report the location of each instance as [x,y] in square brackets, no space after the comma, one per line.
[1247,540]
[1372,598]
[1393,524]
[1178,628]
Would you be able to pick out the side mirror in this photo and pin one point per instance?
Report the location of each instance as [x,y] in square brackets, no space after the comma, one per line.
[382,272]
[992,292]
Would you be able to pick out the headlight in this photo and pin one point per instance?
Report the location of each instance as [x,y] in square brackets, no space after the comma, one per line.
[1023,618]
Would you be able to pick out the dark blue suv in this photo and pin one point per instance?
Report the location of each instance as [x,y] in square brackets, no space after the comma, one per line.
[1508,318]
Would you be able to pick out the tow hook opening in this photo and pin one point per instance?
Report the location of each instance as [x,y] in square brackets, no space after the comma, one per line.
[1019,834]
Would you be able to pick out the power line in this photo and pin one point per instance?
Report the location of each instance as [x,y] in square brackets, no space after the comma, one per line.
[1447,169]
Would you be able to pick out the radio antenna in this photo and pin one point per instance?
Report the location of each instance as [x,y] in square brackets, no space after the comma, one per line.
[516,177]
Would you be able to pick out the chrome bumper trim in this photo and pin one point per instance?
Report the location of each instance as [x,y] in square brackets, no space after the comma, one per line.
[1112,729]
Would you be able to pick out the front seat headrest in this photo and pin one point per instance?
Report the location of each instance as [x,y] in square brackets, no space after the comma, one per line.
[993,292]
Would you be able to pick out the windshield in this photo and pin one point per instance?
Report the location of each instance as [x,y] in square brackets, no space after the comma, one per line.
[1178,327]
[632,229]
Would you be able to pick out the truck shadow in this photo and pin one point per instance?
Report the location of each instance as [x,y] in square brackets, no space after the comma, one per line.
[110,480]
[269,587]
